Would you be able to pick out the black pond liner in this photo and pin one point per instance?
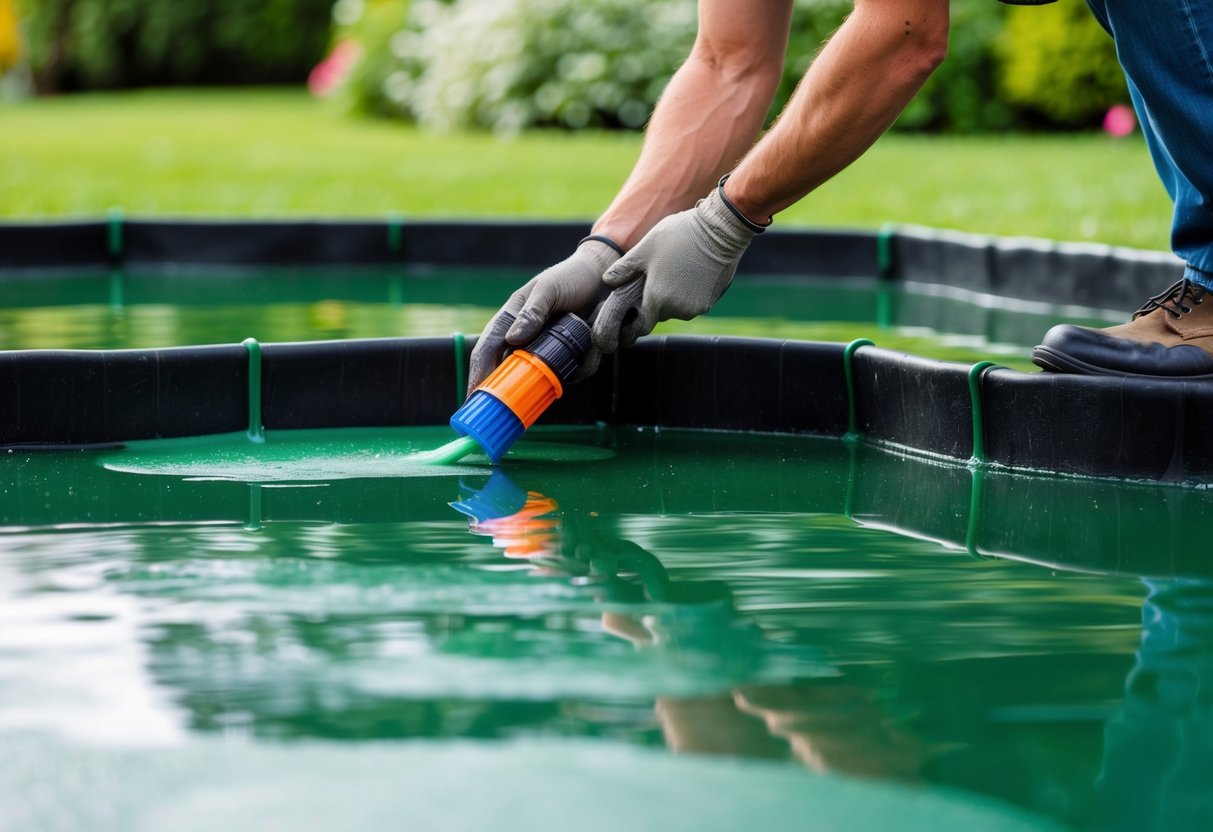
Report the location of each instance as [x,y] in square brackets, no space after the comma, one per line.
[1127,428]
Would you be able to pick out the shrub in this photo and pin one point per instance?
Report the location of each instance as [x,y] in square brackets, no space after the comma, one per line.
[1060,65]
[962,94]
[10,43]
[92,44]
[371,24]
[509,64]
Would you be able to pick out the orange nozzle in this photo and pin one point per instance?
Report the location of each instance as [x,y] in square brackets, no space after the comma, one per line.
[524,384]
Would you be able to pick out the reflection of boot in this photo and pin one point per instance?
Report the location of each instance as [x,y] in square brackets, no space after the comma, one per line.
[1170,336]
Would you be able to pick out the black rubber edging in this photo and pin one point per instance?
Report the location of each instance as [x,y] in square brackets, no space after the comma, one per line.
[156,243]
[1096,276]
[1104,427]
[79,398]
[1090,275]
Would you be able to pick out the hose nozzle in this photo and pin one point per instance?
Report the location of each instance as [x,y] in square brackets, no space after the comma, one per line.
[509,401]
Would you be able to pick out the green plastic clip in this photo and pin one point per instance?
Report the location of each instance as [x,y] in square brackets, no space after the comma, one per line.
[256,431]
[974,526]
[254,524]
[848,504]
[852,434]
[979,431]
[886,266]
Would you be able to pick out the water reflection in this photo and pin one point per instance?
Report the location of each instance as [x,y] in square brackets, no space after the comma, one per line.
[772,598]
[147,308]
[1158,745]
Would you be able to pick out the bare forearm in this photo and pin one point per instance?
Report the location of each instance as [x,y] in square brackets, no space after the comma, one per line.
[708,116]
[853,91]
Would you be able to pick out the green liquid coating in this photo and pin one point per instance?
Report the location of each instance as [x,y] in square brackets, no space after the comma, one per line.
[449,453]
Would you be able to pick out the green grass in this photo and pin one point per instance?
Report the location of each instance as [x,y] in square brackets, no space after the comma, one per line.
[272,153]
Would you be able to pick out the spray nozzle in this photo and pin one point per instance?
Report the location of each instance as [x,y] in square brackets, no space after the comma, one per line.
[509,401]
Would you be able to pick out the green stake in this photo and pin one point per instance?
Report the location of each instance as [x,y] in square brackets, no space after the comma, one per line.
[848,354]
[979,431]
[256,431]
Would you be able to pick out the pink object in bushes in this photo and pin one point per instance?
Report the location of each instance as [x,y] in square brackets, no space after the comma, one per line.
[1119,121]
[327,75]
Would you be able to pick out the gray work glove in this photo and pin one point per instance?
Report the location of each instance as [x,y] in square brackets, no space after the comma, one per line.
[679,270]
[572,285]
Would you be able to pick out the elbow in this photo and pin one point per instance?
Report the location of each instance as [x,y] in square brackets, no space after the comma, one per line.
[930,47]
[916,35]
[933,52]
[918,60]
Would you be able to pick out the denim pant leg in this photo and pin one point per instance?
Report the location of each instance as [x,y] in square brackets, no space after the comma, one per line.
[1166,50]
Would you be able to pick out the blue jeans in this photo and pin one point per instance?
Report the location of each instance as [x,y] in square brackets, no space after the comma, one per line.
[1166,50]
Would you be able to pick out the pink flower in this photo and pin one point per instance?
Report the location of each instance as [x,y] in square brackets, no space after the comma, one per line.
[1119,121]
[327,75]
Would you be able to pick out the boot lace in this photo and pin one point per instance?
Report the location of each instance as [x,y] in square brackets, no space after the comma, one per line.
[1174,301]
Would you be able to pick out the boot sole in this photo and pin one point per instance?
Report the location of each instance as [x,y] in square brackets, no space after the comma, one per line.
[1058,362]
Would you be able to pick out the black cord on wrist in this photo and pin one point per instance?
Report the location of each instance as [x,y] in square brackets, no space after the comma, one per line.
[606,241]
[753,226]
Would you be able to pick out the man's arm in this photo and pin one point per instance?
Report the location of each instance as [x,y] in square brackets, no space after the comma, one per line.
[859,83]
[862,80]
[708,116]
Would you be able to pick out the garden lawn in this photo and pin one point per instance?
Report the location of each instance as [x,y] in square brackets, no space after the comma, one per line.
[275,153]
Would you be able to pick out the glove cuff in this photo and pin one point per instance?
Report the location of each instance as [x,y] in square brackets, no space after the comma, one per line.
[601,251]
[605,240]
[750,224]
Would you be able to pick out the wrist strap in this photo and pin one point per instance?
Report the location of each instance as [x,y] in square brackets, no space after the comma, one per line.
[606,241]
[749,223]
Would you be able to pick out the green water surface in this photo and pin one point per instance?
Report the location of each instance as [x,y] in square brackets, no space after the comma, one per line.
[116,310]
[613,628]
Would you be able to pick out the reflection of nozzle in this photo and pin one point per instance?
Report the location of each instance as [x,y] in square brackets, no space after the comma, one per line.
[510,400]
[498,497]
[522,524]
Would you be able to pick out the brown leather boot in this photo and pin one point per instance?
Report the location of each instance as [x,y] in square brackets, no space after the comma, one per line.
[1171,336]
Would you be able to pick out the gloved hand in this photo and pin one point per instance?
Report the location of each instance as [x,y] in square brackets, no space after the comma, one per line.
[572,285]
[679,270]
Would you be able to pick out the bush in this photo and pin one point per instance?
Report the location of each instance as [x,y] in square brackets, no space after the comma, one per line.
[371,24]
[10,44]
[1060,65]
[962,94]
[99,44]
[511,64]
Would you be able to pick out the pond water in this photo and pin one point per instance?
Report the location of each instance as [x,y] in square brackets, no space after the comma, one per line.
[616,628]
[156,309]
[670,630]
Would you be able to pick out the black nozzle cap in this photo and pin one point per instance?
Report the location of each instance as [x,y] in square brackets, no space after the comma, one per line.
[562,344]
